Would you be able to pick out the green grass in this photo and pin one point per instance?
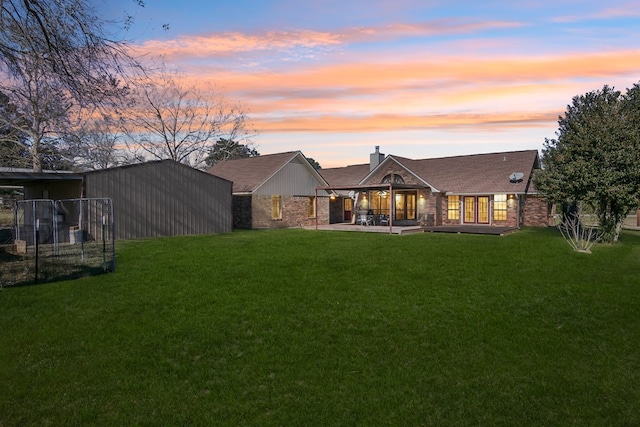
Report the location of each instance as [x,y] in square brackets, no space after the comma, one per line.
[298,327]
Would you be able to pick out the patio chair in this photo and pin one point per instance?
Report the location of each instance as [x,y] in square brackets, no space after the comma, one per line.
[364,219]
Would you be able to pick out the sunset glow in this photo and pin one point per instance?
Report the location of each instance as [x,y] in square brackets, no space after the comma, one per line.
[420,79]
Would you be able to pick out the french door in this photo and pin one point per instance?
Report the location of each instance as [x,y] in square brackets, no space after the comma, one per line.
[476,210]
[405,205]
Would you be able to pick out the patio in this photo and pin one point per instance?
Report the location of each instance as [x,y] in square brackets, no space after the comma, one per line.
[369,228]
[458,229]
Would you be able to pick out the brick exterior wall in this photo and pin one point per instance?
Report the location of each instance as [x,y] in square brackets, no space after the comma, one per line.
[393,168]
[535,212]
[295,212]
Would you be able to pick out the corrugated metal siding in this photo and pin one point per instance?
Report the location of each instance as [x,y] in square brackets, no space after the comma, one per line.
[293,179]
[163,199]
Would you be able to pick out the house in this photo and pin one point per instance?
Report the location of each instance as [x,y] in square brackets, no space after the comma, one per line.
[275,191]
[484,189]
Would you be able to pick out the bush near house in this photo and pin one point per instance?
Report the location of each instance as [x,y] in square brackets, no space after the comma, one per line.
[300,327]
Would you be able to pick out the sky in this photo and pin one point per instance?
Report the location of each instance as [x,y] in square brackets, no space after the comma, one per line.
[418,78]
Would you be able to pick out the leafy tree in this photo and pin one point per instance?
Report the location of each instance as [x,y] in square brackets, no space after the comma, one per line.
[314,163]
[226,149]
[596,157]
[170,119]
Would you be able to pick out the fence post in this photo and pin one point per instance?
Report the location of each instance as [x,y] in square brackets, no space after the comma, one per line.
[104,245]
[37,246]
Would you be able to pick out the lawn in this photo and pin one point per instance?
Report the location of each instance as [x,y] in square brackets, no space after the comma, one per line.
[300,327]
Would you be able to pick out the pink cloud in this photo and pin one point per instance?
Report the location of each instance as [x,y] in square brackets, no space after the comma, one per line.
[234,43]
[628,10]
[224,44]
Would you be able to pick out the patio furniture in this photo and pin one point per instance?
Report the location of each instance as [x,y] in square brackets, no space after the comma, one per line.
[365,218]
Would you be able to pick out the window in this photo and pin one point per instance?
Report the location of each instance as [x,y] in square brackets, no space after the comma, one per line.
[500,207]
[393,178]
[311,207]
[379,203]
[453,207]
[276,207]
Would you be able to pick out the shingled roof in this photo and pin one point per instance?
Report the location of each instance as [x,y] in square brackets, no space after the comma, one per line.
[348,175]
[475,174]
[249,173]
[471,174]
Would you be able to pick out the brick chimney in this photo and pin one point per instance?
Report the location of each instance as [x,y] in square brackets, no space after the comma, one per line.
[375,158]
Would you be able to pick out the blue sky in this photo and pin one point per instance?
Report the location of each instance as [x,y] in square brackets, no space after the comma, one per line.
[418,78]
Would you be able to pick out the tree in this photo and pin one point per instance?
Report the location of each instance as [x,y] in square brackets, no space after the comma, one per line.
[170,119]
[55,59]
[13,148]
[97,144]
[39,110]
[72,42]
[226,149]
[314,163]
[596,157]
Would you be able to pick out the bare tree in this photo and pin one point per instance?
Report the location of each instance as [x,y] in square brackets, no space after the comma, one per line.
[71,41]
[97,144]
[56,59]
[13,148]
[41,109]
[170,119]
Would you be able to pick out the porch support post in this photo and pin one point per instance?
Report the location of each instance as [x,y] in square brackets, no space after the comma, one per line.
[315,202]
[392,202]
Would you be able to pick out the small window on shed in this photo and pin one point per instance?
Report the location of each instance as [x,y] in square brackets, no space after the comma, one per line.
[276,207]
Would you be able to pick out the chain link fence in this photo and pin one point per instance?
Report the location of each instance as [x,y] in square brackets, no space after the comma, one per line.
[58,240]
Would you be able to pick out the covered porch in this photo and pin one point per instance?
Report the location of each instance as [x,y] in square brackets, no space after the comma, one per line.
[382,207]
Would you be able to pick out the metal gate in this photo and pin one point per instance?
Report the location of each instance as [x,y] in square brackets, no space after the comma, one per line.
[57,240]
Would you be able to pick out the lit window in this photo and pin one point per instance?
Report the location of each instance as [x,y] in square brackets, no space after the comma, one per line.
[311,207]
[276,207]
[500,207]
[453,207]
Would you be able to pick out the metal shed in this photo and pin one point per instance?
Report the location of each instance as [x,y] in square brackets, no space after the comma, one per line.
[163,198]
